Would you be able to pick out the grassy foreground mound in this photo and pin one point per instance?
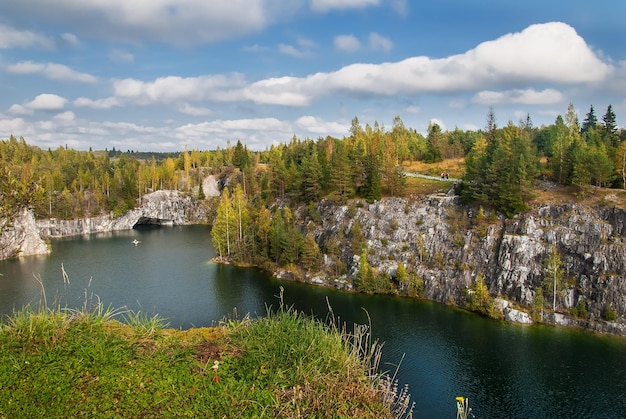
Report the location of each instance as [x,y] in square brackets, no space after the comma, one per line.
[86,364]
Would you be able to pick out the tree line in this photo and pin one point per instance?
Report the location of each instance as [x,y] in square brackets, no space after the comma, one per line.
[501,165]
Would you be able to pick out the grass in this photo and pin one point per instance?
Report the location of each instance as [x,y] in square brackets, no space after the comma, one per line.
[56,363]
[454,167]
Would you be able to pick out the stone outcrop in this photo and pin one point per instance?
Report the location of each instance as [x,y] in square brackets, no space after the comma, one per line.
[26,236]
[21,238]
[160,207]
[448,245]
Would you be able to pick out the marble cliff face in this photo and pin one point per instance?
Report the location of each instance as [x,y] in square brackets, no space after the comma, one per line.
[444,242]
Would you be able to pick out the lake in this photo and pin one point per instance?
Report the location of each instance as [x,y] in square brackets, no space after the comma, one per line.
[507,371]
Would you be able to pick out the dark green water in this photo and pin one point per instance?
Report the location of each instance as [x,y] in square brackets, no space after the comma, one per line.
[507,371]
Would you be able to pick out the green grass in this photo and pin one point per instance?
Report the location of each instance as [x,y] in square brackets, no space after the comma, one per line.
[87,364]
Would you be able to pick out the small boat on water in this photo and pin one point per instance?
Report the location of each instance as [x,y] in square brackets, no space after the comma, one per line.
[135,242]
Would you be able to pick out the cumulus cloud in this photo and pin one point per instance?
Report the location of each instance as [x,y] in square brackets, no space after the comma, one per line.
[16,109]
[172,89]
[519,96]
[47,102]
[319,126]
[15,38]
[327,5]
[189,22]
[51,70]
[551,53]
[43,102]
[347,43]
[106,103]
[67,116]
[546,53]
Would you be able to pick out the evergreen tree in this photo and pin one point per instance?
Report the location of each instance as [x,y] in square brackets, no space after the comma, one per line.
[590,121]
[311,255]
[241,157]
[341,172]
[433,153]
[371,189]
[609,129]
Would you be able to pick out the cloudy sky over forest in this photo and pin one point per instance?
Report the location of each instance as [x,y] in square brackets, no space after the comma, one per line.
[156,75]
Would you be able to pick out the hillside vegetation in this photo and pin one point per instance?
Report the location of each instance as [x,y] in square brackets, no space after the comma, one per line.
[285,365]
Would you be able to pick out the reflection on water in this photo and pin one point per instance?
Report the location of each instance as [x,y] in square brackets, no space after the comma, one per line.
[507,371]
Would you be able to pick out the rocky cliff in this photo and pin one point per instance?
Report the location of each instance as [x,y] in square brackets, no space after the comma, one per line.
[21,238]
[26,236]
[448,245]
[160,207]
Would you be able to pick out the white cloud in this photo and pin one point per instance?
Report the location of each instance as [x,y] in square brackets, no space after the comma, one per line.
[187,109]
[173,89]
[321,127]
[51,70]
[327,5]
[379,42]
[547,53]
[519,96]
[347,43]
[106,103]
[16,109]
[189,22]
[47,102]
[15,38]
[67,116]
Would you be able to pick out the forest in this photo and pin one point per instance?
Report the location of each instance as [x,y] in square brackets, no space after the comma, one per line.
[254,219]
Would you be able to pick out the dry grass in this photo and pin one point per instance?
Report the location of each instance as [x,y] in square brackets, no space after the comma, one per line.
[553,194]
[454,167]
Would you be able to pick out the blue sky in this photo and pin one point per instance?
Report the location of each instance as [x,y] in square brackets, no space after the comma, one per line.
[156,75]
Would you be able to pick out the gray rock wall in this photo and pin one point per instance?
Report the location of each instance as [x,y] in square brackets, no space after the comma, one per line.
[22,238]
[448,245]
[26,236]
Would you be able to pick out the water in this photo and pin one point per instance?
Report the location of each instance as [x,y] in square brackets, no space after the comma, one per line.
[507,371]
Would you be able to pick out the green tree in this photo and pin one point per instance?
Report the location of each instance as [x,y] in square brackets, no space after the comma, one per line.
[224,228]
[433,152]
[536,310]
[311,255]
[609,128]
[479,299]
[278,236]
[553,274]
[590,121]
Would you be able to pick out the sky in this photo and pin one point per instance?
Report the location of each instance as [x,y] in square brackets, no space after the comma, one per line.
[162,75]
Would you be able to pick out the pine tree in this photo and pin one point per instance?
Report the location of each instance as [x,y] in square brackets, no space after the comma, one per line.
[590,121]
[311,254]
[609,130]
